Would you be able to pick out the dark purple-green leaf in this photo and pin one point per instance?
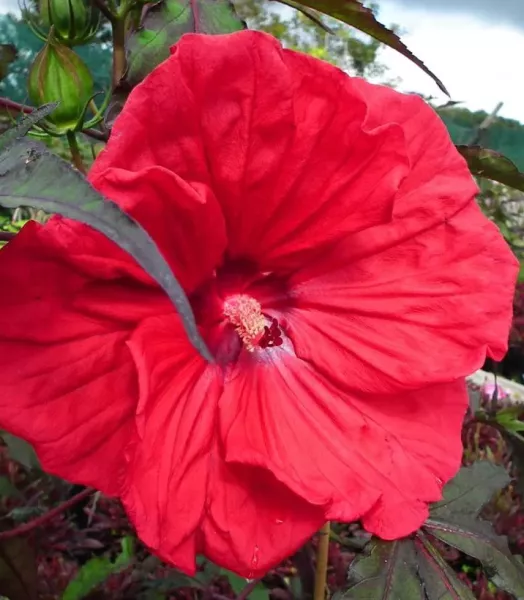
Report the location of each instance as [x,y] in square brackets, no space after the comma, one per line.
[355,14]
[20,450]
[440,581]
[387,571]
[470,490]
[489,164]
[18,569]
[477,539]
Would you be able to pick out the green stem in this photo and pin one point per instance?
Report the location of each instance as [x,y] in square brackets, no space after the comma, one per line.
[75,152]
[119,50]
[322,563]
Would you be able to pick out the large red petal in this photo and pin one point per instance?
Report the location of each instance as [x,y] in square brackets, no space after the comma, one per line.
[184,219]
[276,135]
[68,381]
[421,307]
[181,496]
[383,458]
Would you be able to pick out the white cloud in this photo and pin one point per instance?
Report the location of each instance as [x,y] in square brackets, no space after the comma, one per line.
[9,6]
[502,11]
[479,62]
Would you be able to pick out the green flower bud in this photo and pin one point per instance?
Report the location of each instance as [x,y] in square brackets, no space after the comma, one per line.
[58,74]
[75,22]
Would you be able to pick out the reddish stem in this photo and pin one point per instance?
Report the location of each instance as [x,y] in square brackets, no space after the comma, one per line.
[50,514]
[5,236]
[6,103]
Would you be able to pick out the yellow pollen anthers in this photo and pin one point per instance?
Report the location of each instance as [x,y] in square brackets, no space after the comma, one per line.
[245,313]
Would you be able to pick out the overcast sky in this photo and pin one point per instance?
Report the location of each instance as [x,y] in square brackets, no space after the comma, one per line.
[474,46]
[511,11]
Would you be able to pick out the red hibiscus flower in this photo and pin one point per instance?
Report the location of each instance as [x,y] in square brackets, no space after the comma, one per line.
[326,233]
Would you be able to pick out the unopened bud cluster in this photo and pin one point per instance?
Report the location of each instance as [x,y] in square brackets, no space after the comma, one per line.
[58,74]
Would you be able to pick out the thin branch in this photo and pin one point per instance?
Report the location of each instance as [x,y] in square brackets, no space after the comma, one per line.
[50,514]
[5,236]
[322,563]
[96,134]
[248,589]
[103,8]
[486,124]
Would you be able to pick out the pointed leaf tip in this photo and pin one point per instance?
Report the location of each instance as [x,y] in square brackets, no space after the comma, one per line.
[354,13]
[25,123]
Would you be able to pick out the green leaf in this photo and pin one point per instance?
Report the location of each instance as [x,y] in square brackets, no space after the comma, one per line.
[30,175]
[20,450]
[470,490]
[389,571]
[7,489]
[476,538]
[355,14]
[163,25]
[164,587]
[440,581]
[521,272]
[97,570]
[492,165]
[18,569]
[510,418]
